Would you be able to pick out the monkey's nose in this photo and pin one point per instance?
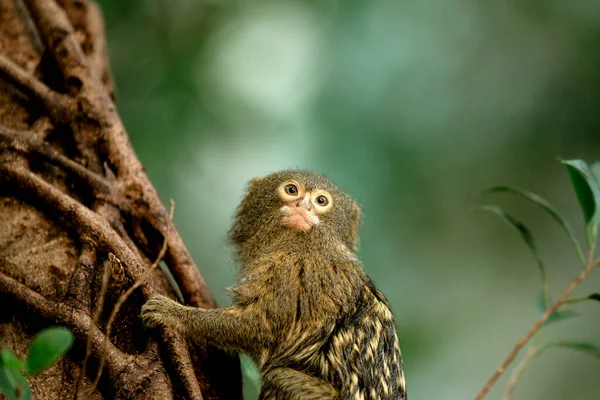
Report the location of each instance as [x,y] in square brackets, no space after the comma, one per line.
[304,202]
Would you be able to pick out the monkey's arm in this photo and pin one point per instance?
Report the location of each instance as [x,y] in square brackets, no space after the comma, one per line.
[231,329]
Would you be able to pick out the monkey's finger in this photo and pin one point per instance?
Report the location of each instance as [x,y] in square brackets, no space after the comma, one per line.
[157,311]
[153,318]
[149,320]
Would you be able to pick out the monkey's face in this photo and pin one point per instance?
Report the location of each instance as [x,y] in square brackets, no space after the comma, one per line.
[301,208]
[295,205]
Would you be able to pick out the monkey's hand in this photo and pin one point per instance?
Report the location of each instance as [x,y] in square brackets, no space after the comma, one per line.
[161,310]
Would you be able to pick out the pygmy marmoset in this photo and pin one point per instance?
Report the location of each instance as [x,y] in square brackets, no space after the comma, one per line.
[303,307]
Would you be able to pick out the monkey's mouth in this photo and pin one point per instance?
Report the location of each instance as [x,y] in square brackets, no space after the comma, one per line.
[298,218]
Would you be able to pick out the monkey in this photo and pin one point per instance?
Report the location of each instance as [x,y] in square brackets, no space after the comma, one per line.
[303,308]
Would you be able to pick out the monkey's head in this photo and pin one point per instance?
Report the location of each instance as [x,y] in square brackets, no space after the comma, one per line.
[294,207]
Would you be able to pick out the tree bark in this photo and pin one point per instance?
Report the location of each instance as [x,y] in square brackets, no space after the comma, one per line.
[80,222]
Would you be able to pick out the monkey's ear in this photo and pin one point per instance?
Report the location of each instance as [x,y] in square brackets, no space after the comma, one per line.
[253,183]
[356,212]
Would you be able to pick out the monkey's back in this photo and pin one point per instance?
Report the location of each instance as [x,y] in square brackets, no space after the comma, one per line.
[328,322]
[364,349]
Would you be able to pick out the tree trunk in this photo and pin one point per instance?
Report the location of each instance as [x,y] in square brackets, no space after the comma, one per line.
[81,223]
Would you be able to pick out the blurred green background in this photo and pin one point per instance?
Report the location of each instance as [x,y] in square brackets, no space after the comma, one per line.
[412,107]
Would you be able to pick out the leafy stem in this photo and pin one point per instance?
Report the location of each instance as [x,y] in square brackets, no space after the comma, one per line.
[590,265]
[534,351]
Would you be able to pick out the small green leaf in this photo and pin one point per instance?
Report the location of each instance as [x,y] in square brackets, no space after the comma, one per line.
[25,389]
[593,297]
[546,206]
[527,238]
[581,176]
[8,383]
[589,348]
[587,190]
[11,361]
[12,382]
[47,347]
[558,315]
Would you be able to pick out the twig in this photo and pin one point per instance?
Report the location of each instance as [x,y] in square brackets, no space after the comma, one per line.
[124,297]
[23,141]
[57,104]
[57,32]
[514,378]
[78,287]
[536,327]
[95,318]
[96,35]
[526,361]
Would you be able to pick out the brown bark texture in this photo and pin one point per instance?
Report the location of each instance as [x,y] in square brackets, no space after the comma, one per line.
[80,222]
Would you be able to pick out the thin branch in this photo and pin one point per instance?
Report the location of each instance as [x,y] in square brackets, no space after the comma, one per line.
[125,296]
[57,33]
[23,141]
[533,352]
[55,103]
[536,327]
[36,41]
[95,318]
[78,288]
[518,371]
[41,128]
[97,36]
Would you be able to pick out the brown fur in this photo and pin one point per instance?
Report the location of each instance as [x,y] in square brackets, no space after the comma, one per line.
[304,309]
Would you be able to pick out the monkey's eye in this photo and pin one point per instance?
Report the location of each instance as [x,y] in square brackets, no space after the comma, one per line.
[290,189]
[322,201]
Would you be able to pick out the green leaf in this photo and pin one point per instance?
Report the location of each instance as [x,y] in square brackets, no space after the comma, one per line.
[527,238]
[546,206]
[25,389]
[12,382]
[558,315]
[587,190]
[11,361]
[589,348]
[8,385]
[47,347]
[594,296]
